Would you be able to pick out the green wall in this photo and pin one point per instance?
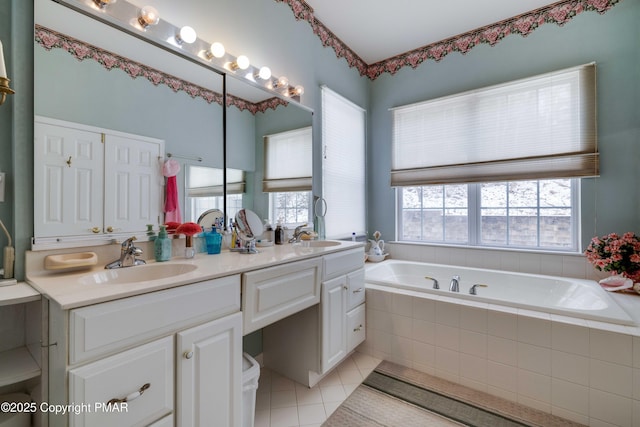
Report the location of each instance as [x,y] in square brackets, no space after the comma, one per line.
[609,203]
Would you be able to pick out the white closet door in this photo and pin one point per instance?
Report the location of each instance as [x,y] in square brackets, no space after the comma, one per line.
[67,181]
[132,194]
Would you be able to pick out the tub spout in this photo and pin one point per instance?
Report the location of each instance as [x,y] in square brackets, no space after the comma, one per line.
[472,290]
[454,286]
[435,282]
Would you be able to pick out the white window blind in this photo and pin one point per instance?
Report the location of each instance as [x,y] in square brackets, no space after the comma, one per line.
[288,160]
[343,165]
[539,127]
[207,182]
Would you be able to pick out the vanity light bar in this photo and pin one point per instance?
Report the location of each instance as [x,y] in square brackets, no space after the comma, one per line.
[147,24]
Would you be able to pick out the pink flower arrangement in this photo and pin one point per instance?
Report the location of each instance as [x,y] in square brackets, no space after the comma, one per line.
[616,254]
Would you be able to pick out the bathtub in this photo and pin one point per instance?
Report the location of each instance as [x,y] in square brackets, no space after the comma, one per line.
[584,299]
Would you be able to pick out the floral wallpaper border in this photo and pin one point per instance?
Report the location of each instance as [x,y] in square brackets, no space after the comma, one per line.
[50,39]
[558,13]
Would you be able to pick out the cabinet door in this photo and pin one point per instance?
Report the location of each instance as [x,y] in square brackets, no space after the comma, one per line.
[132,183]
[68,180]
[334,308]
[209,374]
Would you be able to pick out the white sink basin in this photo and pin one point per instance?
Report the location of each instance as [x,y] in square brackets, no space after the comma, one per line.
[140,273]
[319,243]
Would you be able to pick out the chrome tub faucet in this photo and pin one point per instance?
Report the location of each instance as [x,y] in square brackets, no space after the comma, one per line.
[436,285]
[454,286]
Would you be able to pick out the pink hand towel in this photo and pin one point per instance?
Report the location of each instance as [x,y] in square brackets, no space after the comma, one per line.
[171,204]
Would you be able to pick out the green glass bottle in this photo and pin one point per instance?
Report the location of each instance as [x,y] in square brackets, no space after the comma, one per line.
[162,245]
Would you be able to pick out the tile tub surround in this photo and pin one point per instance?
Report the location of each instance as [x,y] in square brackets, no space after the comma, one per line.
[585,371]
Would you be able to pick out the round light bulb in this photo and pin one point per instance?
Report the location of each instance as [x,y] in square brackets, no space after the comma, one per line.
[298,90]
[242,62]
[264,73]
[217,50]
[148,16]
[283,81]
[187,34]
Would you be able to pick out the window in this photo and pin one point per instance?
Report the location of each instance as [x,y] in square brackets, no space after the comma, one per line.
[288,161]
[204,191]
[197,205]
[538,214]
[497,166]
[291,207]
[290,186]
[537,128]
[343,165]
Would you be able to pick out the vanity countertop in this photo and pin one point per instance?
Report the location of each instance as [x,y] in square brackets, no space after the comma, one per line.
[70,290]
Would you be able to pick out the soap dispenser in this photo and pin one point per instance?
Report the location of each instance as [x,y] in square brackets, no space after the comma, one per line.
[162,245]
[279,234]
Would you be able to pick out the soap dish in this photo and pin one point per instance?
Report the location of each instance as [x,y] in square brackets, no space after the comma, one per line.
[67,261]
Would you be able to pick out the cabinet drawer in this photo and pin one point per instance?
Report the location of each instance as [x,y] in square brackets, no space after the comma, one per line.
[111,326]
[148,368]
[342,262]
[274,293]
[356,327]
[355,281]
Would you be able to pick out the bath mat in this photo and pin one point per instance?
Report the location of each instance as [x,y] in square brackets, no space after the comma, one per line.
[393,395]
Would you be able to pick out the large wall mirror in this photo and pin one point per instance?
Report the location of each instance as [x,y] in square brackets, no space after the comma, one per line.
[180,104]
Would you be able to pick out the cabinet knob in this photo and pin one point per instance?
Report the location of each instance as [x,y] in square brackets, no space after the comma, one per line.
[188,354]
[95,230]
[109,229]
[345,287]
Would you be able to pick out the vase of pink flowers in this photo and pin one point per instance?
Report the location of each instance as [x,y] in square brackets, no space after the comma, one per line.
[618,255]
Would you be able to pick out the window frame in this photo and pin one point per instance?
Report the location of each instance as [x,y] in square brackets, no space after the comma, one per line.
[475,220]
[273,219]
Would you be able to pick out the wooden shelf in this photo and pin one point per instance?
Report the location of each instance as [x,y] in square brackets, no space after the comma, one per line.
[17,365]
[17,294]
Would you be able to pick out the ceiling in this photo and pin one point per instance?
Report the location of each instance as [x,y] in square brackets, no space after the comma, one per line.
[379,29]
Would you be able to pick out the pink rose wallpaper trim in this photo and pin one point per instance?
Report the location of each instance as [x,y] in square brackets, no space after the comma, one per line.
[558,13]
[50,39]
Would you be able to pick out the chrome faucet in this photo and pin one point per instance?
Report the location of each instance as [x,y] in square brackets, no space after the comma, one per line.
[472,290]
[298,233]
[454,286]
[128,254]
[436,285]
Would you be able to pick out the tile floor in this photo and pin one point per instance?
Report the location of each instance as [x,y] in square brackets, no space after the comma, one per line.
[281,402]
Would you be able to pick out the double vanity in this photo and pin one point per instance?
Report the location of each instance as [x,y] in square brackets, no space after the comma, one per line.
[161,344]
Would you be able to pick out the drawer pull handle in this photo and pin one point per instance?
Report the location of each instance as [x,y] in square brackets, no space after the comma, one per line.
[130,397]
[358,329]
[188,354]
[358,290]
